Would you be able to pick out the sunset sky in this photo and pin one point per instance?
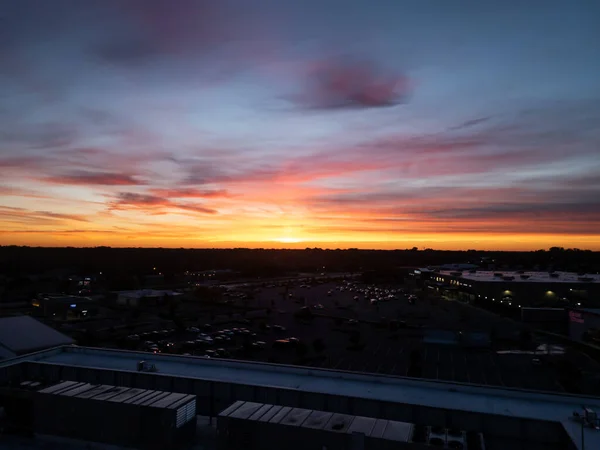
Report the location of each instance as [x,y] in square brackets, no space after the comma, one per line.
[300,123]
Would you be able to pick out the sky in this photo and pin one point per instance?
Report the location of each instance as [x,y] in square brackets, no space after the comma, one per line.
[314,123]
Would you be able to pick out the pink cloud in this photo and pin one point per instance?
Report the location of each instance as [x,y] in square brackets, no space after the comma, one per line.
[346,83]
[154,204]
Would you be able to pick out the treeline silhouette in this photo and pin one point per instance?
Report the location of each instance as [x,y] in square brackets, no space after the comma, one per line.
[16,260]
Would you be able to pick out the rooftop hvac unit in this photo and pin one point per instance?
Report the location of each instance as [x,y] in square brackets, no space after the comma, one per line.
[447,438]
[456,439]
[436,437]
[130,417]
[267,427]
[525,277]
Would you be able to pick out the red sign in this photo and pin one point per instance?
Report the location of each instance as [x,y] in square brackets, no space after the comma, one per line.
[576,317]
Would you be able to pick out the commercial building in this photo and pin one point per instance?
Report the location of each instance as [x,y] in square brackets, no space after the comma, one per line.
[507,418]
[550,289]
[143,297]
[20,335]
[65,306]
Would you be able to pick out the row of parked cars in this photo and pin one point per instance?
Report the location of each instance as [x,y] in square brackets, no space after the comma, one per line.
[151,335]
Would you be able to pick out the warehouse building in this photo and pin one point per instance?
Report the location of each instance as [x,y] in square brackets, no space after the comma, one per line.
[506,418]
[20,335]
[548,289]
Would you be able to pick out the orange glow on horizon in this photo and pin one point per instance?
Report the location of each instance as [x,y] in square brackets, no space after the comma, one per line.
[437,241]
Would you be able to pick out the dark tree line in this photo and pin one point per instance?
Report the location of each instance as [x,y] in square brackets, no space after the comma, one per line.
[267,263]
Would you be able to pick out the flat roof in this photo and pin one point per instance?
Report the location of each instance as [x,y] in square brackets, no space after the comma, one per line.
[21,334]
[437,394]
[532,277]
[147,293]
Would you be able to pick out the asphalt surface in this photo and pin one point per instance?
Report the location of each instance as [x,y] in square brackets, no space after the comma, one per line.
[377,349]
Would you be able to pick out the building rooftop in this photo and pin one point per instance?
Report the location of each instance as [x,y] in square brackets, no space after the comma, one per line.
[524,277]
[478,399]
[24,334]
[147,293]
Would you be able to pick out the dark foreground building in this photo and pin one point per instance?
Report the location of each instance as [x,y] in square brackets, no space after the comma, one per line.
[506,418]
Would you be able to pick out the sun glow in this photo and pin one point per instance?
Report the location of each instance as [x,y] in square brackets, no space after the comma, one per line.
[288,240]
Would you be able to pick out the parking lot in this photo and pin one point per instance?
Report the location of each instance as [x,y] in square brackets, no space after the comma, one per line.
[345,331]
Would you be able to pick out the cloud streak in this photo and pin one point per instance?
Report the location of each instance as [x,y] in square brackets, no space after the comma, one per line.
[86,178]
[154,204]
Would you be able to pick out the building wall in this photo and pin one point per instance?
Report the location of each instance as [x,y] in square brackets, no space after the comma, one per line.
[549,319]
[127,300]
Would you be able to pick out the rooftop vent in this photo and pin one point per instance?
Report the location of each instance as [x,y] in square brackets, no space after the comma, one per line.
[338,425]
